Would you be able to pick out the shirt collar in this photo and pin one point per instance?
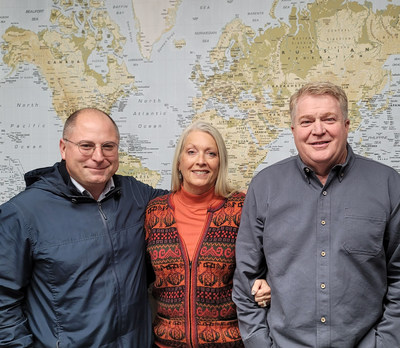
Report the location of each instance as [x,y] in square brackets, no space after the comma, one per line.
[339,170]
[109,186]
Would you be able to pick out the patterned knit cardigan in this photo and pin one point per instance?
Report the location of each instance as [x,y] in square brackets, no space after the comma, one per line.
[194,304]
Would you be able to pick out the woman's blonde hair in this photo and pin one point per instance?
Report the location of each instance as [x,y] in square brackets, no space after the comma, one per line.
[222,187]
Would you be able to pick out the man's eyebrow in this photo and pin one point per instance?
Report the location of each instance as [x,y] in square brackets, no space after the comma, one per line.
[306,116]
[313,116]
[330,114]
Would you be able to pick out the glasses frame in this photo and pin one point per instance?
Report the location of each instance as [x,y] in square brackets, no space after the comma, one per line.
[89,153]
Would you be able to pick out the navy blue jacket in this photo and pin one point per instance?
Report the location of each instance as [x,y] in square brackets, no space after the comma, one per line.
[72,270]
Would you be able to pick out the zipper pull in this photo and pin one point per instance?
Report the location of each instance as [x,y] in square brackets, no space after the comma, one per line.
[101,211]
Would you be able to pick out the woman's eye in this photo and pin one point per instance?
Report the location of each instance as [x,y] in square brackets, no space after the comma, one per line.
[212,154]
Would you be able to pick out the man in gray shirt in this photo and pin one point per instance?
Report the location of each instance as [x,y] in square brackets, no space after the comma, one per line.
[325,228]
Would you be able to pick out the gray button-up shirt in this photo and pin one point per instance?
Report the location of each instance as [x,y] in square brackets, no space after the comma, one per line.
[331,254]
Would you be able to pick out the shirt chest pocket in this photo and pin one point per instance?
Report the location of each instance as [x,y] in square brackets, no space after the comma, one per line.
[363,234]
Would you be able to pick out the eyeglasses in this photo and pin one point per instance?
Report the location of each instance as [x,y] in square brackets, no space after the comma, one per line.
[87,148]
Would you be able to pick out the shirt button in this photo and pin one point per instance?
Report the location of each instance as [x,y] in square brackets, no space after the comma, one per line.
[323,222]
[323,286]
[323,319]
[324,193]
[323,253]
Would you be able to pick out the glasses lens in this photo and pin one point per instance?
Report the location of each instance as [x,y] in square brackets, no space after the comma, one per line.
[109,148]
[86,148]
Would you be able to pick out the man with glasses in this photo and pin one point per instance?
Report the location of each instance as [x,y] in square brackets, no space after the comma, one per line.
[72,269]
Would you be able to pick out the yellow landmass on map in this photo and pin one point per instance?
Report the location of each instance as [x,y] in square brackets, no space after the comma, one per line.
[62,57]
[243,152]
[344,42]
[132,166]
[153,18]
[356,61]
[180,43]
[63,62]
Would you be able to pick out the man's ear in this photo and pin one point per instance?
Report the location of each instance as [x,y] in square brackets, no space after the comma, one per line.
[347,124]
[62,146]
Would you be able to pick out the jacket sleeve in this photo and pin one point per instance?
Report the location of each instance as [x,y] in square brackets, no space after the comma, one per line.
[15,269]
[158,192]
[150,272]
[145,191]
[250,265]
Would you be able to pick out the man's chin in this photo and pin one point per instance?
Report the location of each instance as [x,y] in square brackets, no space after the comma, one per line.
[98,179]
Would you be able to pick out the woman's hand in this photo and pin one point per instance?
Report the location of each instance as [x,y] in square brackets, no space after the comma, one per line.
[261,292]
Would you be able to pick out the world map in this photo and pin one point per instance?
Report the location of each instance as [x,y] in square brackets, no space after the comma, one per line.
[158,65]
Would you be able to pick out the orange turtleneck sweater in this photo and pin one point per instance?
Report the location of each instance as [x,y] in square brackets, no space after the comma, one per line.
[191,213]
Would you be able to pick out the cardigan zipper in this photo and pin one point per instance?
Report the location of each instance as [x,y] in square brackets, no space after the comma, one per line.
[190,302]
[188,289]
[193,282]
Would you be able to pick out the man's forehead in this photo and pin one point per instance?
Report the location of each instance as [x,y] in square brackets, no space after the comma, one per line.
[319,115]
[91,129]
[312,102]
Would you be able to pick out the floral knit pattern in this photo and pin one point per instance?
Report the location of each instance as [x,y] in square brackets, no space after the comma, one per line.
[194,299]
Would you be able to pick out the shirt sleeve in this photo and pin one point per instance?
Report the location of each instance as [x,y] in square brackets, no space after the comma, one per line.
[15,268]
[387,331]
[250,265]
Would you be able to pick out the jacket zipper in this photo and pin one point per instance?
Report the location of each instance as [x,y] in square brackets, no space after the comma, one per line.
[101,211]
[119,309]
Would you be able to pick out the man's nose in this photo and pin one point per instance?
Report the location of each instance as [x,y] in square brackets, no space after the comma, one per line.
[98,154]
[318,127]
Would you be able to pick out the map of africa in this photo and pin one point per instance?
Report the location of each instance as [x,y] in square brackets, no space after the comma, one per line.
[158,65]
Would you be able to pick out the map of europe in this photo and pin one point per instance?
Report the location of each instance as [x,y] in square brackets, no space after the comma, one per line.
[158,65]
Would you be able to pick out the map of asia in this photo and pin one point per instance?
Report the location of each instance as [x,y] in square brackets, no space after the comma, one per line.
[158,65]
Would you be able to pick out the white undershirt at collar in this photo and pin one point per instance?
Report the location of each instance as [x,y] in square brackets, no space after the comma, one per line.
[109,186]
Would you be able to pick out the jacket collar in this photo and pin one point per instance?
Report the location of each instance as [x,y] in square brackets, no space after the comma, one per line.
[57,180]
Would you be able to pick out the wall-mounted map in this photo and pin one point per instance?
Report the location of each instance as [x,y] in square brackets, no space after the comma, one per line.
[157,65]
